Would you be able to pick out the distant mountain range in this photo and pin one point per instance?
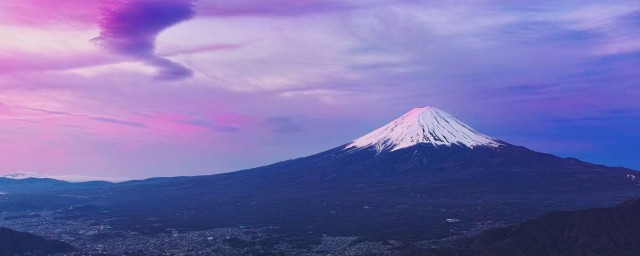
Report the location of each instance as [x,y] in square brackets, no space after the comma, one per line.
[402,181]
[70,178]
[33,184]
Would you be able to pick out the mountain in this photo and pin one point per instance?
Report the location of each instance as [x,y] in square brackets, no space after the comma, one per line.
[20,243]
[69,178]
[20,192]
[427,125]
[28,184]
[403,181]
[599,231]
[22,175]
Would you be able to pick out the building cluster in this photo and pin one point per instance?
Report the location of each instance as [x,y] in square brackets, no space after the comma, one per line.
[97,237]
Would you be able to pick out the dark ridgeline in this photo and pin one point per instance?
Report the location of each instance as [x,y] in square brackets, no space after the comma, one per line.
[597,232]
[369,191]
[20,243]
[32,184]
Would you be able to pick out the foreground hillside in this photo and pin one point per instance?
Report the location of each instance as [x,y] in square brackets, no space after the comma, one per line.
[20,243]
[599,231]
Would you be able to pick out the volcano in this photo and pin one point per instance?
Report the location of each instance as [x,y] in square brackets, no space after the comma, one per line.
[423,176]
[427,125]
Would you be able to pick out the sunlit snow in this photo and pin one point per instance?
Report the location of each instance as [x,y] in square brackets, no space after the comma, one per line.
[424,125]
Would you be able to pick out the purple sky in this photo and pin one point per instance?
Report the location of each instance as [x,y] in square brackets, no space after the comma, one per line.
[141,88]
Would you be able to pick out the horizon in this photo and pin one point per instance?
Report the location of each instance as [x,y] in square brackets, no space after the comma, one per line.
[206,87]
[74,178]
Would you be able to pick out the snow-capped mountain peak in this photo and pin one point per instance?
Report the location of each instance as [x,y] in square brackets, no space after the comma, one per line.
[22,175]
[424,125]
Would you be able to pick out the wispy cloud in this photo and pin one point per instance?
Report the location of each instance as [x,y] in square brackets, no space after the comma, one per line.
[120,122]
[96,118]
[51,13]
[272,7]
[286,124]
[210,125]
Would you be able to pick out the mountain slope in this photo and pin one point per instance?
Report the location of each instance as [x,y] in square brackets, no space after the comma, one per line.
[599,231]
[32,184]
[20,243]
[402,192]
[402,186]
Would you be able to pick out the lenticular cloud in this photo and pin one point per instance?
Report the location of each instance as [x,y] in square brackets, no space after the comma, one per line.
[130,28]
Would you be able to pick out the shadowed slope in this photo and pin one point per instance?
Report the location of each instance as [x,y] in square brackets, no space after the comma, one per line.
[20,243]
[600,231]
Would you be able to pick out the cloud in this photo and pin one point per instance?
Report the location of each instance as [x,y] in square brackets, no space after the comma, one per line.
[34,62]
[169,70]
[130,28]
[96,118]
[23,61]
[48,13]
[205,49]
[210,125]
[117,121]
[286,124]
[271,7]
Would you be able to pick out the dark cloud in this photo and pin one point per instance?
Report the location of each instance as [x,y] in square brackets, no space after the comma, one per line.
[130,28]
[169,70]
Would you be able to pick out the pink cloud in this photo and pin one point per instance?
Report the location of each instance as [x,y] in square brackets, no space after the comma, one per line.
[17,61]
[270,7]
[59,12]
[21,61]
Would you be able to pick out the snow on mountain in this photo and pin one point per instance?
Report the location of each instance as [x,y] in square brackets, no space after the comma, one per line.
[424,125]
[22,175]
